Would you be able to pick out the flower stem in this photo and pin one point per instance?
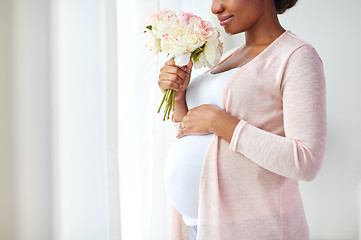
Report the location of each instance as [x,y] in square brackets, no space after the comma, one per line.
[164,97]
[169,98]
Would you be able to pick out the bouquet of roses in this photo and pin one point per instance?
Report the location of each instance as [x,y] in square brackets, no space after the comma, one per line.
[184,36]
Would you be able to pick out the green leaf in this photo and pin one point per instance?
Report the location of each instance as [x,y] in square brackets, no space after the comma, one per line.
[149,27]
[195,54]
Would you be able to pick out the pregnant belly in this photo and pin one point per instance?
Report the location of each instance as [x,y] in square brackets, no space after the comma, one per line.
[183,170]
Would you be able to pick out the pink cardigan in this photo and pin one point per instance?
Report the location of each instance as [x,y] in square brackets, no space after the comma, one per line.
[249,188]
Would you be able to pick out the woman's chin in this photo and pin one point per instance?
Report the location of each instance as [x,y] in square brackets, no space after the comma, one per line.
[230,31]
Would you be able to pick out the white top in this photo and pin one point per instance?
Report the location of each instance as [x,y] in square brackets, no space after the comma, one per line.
[185,160]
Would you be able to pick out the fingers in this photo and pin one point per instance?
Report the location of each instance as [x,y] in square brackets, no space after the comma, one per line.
[182,132]
[174,77]
[168,84]
[189,67]
[184,128]
[182,74]
[188,70]
[197,121]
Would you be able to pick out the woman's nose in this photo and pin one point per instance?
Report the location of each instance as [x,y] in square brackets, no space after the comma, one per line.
[217,6]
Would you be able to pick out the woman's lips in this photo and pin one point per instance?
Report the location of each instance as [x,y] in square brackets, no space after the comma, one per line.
[224,20]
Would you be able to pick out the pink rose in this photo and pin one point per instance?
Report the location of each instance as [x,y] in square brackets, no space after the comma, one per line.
[202,28]
[183,18]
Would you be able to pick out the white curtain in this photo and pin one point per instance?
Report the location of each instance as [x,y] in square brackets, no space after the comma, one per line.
[25,156]
[144,138]
[59,151]
[86,190]
[60,110]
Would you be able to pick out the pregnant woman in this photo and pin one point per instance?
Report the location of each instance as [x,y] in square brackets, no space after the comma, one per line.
[249,130]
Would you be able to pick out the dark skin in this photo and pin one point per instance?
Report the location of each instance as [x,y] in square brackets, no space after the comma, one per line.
[258,19]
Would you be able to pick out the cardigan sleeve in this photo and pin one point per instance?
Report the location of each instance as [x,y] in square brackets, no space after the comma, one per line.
[298,154]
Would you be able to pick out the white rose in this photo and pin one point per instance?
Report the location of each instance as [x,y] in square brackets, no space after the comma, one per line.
[163,22]
[180,40]
[200,62]
[149,20]
[152,42]
[213,49]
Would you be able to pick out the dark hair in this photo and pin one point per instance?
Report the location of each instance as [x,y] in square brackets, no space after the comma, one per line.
[283,5]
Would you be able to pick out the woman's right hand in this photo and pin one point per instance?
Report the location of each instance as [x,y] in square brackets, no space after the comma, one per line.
[174,77]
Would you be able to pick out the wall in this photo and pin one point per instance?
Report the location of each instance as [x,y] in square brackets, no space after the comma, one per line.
[331,200]
[6,196]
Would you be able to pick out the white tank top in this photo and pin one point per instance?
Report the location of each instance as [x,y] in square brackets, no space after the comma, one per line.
[185,160]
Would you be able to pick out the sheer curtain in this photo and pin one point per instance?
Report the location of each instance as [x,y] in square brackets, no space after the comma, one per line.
[144,138]
[86,190]
[25,184]
[62,110]
[59,151]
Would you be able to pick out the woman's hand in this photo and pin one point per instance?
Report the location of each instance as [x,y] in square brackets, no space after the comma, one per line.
[198,120]
[174,77]
[207,119]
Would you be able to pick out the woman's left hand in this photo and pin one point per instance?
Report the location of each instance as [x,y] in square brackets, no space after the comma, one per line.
[198,120]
